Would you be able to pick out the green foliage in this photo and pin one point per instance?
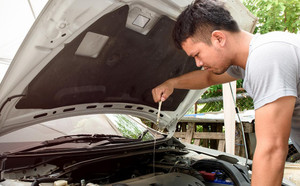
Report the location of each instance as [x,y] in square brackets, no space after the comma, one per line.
[212,91]
[216,91]
[273,15]
[128,127]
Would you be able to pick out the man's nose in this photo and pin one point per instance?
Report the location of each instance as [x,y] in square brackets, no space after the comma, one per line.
[198,62]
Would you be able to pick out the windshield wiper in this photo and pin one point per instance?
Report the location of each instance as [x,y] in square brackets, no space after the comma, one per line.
[96,139]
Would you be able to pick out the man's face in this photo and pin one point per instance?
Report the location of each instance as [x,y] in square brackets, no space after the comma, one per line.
[210,57]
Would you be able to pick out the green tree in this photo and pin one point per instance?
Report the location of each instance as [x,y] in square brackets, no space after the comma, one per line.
[216,91]
[273,15]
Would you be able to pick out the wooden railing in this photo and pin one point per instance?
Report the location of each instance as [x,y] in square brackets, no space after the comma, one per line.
[212,134]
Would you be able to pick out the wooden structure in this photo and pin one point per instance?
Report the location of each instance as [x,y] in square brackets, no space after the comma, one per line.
[209,133]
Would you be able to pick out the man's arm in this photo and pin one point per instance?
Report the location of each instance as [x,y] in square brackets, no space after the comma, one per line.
[193,80]
[272,129]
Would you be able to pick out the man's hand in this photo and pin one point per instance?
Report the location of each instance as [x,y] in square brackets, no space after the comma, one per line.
[163,91]
[272,129]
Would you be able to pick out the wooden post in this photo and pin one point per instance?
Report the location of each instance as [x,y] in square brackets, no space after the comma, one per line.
[196,140]
[205,129]
[213,142]
[221,145]
[190,132]
[229,116]
[183,127]
[239,148]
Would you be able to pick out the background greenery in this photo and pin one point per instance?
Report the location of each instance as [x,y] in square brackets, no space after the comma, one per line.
[273,15]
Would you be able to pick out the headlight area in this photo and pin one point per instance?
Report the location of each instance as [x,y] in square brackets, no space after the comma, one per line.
[135,167]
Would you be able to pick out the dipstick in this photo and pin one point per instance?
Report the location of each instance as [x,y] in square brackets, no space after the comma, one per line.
[158,113]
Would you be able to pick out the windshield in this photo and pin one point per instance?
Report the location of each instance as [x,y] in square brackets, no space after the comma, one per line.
[100,124]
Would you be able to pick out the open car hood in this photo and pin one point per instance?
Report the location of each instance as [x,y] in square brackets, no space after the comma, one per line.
[105,56]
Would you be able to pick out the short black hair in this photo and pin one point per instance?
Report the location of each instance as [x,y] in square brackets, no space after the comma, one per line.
[200,19]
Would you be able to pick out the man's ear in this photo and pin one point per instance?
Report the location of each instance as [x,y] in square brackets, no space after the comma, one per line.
[218,38]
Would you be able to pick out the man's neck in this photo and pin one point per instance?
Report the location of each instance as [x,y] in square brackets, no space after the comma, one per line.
[240,47]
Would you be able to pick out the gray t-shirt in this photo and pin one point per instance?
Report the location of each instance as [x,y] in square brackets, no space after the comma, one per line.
[272,72]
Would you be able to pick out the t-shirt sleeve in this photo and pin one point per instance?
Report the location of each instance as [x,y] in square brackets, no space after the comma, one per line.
[236,72]
[272,73]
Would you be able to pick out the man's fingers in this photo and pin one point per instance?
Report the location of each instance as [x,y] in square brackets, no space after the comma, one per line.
[162,92]
[158,95]
[155,95]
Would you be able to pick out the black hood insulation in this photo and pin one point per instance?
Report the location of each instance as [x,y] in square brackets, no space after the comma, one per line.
[127,68]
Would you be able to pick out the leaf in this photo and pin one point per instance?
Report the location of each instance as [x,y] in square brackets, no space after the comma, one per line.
[269,7]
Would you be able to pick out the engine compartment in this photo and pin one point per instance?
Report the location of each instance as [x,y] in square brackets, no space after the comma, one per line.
[167,166]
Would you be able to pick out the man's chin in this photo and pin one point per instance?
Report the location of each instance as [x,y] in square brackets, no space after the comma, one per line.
[218,72]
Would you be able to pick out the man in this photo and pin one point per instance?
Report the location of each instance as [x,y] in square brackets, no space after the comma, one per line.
[269,65]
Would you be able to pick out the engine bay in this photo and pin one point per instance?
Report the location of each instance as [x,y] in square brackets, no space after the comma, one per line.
[164,165]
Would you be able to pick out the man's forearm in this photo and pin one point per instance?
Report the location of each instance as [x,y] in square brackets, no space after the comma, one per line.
[268,166]
[199,79]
